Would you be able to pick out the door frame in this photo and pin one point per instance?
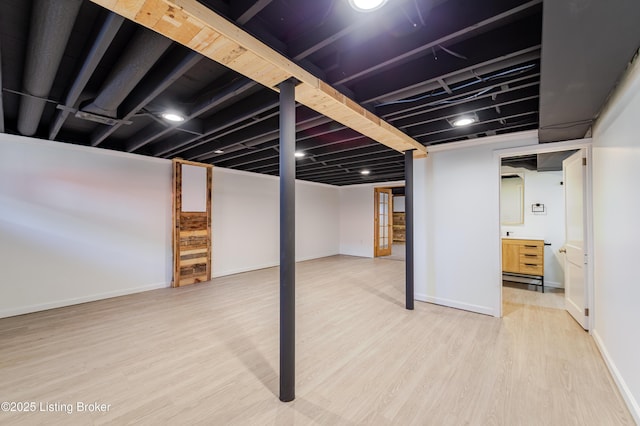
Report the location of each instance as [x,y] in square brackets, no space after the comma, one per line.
[375,223]
[585,144]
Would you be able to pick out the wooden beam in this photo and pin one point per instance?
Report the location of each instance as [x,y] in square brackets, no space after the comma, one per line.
[194,25]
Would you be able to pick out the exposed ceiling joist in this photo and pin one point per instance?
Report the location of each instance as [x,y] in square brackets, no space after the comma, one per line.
[244,10]
[199,28]
[447,32]
[155,83]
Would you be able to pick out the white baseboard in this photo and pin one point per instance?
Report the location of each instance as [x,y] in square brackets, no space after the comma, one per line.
[77,300]
[631,402]
[455,304]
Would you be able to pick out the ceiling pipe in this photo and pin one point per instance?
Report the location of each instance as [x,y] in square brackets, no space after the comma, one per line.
[51,25]
[107,33]
[141,54]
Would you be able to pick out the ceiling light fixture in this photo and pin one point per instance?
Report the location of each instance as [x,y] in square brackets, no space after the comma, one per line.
[463,121]
[299,154]
[218,151]
[172,116]
[365,172]
[367,5]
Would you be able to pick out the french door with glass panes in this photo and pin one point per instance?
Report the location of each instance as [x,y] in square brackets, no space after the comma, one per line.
[383,222]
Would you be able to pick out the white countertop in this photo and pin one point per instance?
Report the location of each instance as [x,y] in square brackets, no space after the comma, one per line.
[521,237]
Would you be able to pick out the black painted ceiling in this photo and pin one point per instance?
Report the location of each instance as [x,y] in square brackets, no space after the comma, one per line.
[418,64]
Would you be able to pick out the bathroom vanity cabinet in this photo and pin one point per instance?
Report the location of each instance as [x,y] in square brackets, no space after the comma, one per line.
[523,258]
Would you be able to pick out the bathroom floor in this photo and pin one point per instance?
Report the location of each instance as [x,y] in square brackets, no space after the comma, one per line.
[524,294]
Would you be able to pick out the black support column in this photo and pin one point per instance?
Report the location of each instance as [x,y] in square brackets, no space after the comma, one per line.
[408,197]
[287,240]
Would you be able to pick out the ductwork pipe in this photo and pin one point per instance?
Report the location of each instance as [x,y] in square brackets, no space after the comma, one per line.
[51,25]
[141,54]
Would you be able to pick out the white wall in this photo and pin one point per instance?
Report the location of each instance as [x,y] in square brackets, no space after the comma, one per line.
[545,188]
[79,224]
[356,218]
[398,204]
[246,221]
[457,220]
[616,200]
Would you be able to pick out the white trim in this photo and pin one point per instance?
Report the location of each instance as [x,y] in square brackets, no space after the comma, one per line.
[486,140]
[486,310]
[627,395]
[77,300]
[544,148]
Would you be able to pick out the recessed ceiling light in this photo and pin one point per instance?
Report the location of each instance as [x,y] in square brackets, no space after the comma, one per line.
[218,151]
[365,172]
[366,5]
[299,154]
[463,121]
[172,116]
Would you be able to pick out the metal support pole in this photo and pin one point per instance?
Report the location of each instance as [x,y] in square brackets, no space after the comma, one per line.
[287,239]
[408,199]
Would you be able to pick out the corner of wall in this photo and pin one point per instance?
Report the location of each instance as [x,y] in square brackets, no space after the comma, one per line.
[627,395]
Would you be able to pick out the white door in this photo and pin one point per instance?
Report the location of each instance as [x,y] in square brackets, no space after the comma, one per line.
[575,270]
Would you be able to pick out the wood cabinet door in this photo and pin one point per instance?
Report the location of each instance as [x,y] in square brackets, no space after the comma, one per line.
[510,256]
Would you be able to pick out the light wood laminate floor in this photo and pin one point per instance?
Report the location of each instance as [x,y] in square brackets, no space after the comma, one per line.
[208,354]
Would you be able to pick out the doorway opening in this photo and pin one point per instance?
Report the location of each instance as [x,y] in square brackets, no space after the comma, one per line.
[545,230]
[389,223]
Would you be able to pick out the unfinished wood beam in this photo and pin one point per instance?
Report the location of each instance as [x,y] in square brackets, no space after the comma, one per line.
[194,25]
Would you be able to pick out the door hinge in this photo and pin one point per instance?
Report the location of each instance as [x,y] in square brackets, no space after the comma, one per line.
[584,161]
[586,312]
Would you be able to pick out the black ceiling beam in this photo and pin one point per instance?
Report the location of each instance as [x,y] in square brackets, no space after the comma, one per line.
[481,92]
[307,144]
[379,167]
[262,137]
[507,42]
[242,11]
[314,38]
[358,178]
[375,159]
[158,80]
[354,152]
[261,155]
[515,60]
[492,125]
[530,122]
[461,91]
[318,168]
[442,30]
[486,116]
[498,100]
[223,123]
[358,151]
[151,133]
